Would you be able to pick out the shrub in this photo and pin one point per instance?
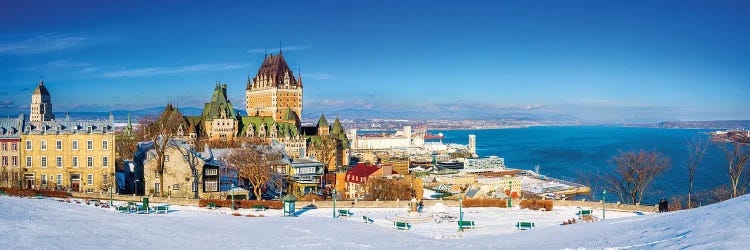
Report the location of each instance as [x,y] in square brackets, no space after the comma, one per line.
[485,203]
[310,197]
[236,214]
[547,205]
[242,203]
[31,192]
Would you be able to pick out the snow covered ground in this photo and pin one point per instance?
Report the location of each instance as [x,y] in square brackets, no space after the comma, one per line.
[46,223]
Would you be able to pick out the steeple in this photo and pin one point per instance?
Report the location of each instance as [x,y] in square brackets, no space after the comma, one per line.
[129,128]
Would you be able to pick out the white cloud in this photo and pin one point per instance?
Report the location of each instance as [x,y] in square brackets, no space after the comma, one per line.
[318,76]
[170,70]
[32,44]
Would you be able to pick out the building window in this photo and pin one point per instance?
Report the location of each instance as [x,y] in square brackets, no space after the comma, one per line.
[15,161]
[5,161]
[90,145]
[105,161]
[166,158]
[75,145]
[5,146]
[105,145]
[44,161]
[90,161]
[105,179]
[58,161]
[14,146]
[75,161]
[58,145]
[212,186]
[44,145]
[59,180]
[28,145]
[176,187]
[195,186]
[28,161]
[157,188]
[90,179]
[44,180]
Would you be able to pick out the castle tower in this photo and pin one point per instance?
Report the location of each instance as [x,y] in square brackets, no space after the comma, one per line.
[274,89]
[41,104]
[323,127]
[473,145]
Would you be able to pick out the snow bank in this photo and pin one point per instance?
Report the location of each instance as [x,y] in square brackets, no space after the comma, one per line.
[45,223]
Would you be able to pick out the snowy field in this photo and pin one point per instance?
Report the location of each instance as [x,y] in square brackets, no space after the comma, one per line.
[46,223]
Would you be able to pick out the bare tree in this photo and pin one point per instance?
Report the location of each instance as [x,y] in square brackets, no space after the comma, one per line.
[696,150]
[160,132]
[388,189]
[737,155]
[592,179]
[634,173]
[252,165]
[325,150]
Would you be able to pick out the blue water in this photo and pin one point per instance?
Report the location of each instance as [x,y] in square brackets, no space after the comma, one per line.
[562,151]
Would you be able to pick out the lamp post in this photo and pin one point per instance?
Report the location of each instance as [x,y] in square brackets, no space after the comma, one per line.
[460,214]
[110,195]
[333,193]
[510,193]
[604,197]
[233,208]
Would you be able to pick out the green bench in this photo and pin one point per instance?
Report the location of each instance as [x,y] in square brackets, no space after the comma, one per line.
[402,225]
[211,205]
[2,192]
[94,201]
[259,207]
[523,225]
[125,209]
[585,212]
[366,219]
[344,212]
[162,209]
[466,224]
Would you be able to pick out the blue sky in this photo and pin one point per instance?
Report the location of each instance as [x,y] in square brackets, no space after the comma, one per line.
[597,60]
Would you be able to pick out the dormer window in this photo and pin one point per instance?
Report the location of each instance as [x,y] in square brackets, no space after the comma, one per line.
[89,129]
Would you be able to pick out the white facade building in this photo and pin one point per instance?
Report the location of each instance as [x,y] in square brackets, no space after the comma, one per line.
[489,163]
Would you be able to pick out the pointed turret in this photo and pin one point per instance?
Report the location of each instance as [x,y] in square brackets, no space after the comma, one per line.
[129,128]
[41,104]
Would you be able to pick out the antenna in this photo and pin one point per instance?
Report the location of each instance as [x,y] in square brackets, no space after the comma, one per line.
[279,46]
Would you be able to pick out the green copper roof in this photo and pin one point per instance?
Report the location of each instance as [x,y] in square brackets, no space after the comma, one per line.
[289,114]
[322,121]
[219,105]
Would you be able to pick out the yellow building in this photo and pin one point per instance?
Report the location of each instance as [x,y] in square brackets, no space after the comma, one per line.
[68,155]
[63,154]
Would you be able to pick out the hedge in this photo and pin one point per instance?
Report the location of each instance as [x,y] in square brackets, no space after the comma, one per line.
[33,192]
[242,203]
[485,203]
[537,204]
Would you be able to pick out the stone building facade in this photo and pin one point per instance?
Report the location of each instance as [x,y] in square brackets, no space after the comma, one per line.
[74,155]
[274,91]
[10,142]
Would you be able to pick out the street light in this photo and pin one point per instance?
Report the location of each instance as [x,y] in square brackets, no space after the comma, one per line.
[333,193]
[460,214]
[510,193]
[233,208]
[604,197]
[110,195]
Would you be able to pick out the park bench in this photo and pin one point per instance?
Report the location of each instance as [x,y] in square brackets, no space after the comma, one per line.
[125,209]
[142,209]
[366,219]
[402,225]
[211,205]
[344,212]
[466,224]
[586,215]
[94,201]
[259,207]
[162,209]
[523,225]
[131,203]
[2,192]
